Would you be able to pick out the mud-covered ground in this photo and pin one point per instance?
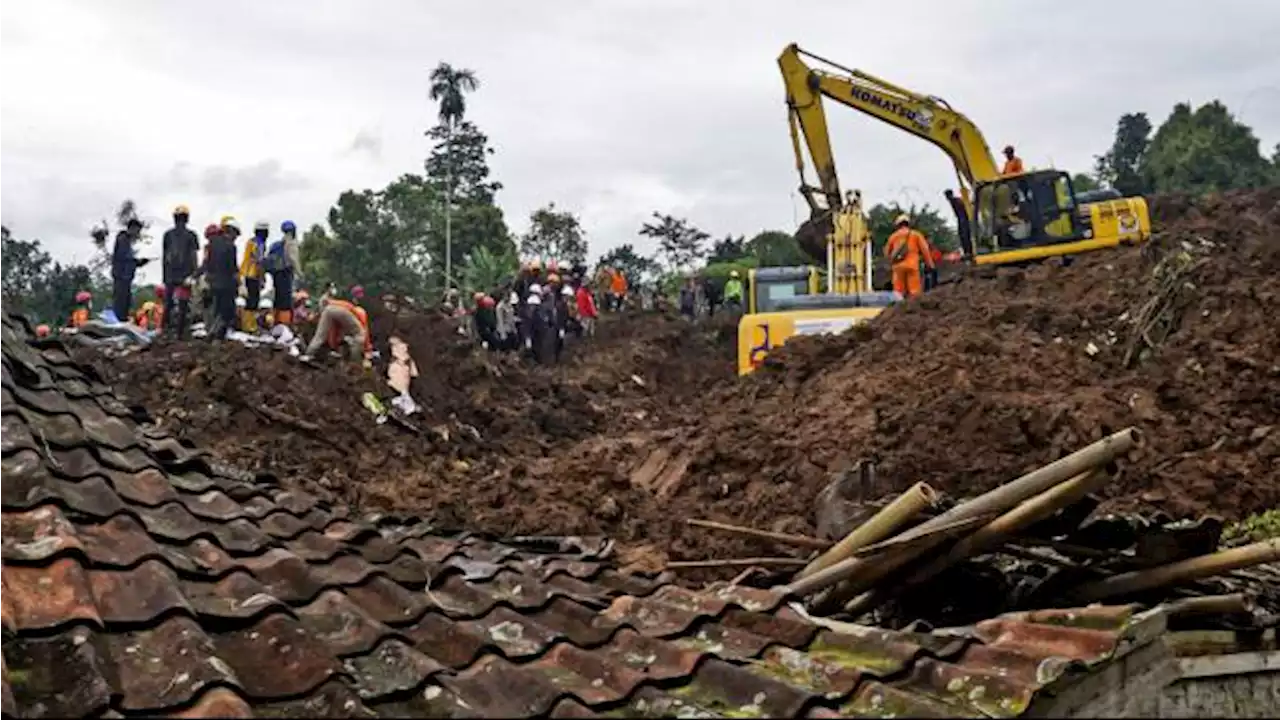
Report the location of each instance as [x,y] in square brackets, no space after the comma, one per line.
[647,425]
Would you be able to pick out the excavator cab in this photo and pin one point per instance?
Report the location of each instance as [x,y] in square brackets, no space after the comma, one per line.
[1029,214]
[768,286]
[1035,215]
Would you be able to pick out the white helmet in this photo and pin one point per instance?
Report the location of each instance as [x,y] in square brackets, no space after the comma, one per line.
[535,299]
[566,291]
[535,289]
[240,302]
[514,299]
[265,303]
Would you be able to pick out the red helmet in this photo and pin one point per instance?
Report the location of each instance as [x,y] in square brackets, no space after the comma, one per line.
[357,291]
[42,330]
[84,296]
[487,302]
[159,291]
[210,230]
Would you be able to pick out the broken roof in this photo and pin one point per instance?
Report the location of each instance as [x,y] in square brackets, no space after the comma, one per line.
[142,577]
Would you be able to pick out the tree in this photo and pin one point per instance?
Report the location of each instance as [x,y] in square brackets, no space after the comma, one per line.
[554,234]
[926,219]
[486,271]
[632,264]
[678,240]
[1121,166]
[1083,182]
[1204,151]
[449,86]
[776,248]
[316,250]
[25,266]
[728,249]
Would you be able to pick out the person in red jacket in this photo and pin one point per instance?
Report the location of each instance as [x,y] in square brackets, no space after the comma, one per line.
[586,309]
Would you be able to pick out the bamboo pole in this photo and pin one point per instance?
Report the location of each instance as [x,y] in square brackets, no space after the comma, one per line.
[993,534]
[1195,568]
[736,562]
[993,502]
[873,566]
[804,541]
[884,523]
[1234,604]
[1024,515]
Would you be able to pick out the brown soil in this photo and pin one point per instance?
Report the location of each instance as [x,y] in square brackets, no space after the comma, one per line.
[978,382]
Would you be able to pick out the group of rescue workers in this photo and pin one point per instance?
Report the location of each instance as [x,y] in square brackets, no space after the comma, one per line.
[227,295]
[532,312]
[536,310]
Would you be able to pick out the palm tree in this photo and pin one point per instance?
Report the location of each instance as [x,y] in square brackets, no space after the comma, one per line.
[449,86]
[486,270]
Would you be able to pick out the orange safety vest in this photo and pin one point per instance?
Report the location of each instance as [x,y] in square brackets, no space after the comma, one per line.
[618,283]
[917,247]
[1012,166]
[79,317]
[335,335]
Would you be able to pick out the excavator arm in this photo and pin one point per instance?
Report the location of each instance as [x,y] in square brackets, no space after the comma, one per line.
[927,117]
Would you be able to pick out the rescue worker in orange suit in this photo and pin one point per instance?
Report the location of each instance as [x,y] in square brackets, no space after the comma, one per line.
[906,249]
[1012,163]
[181,257]
[617,289]
[80,315]
[342,322]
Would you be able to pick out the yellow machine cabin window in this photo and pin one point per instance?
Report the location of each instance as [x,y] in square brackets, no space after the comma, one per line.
[1026,211]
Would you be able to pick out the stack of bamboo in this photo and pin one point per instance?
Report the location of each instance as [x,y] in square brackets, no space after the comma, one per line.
[887,554]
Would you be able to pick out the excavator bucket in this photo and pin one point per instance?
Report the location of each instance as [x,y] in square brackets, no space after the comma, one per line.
[813,233]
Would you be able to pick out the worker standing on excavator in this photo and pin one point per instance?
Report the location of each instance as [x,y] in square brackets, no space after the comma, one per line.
[1012,163]
[906,249]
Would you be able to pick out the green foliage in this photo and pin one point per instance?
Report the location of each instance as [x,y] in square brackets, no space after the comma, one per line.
[678,240]
[555,235]
[633,265]
[728,249]
[486,270]
[926,219]
[1255,528]
[1204,151]
[720,271]
[394,239]
[774,248]
[40,287]
[1083,182]
[1121,167]
[449,86]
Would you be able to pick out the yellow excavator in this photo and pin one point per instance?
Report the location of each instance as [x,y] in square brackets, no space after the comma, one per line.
[1002,219]
[784,302]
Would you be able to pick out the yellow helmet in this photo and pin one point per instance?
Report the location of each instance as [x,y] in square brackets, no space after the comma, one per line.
[902,219]
[229,222]
[182,210]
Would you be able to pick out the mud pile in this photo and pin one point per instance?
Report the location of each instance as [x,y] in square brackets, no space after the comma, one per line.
[989,378]
[485,417]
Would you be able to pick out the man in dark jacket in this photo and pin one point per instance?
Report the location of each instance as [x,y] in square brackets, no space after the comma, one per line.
[124,265]
[181,258]
[224,279]
[711,291]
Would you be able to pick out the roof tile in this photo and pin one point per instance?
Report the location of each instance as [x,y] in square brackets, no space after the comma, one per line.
[137,596]
[49,596]
[63,675]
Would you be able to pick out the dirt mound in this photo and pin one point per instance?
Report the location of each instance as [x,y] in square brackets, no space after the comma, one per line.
[485,418]
[986,379]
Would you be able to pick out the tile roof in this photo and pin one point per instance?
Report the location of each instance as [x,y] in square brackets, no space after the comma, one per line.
[140,577]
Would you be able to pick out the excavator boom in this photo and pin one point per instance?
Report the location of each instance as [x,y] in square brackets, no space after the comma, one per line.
[928,118]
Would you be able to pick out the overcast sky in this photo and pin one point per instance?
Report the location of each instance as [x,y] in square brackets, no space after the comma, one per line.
[612,109]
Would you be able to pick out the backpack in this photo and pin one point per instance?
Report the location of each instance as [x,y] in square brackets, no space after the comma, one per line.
[900,252]
[275,259]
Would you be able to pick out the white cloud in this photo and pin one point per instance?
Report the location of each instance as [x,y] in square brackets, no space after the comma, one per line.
[610,108]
